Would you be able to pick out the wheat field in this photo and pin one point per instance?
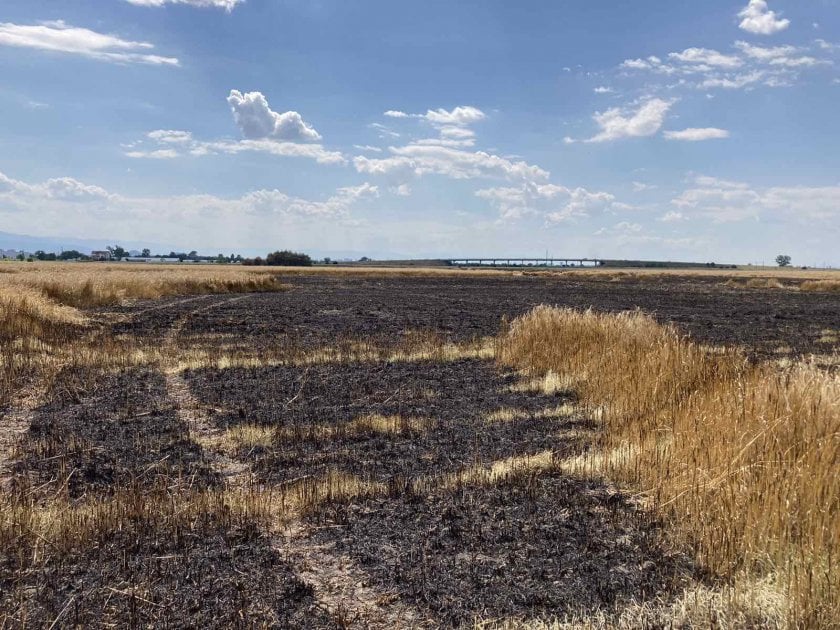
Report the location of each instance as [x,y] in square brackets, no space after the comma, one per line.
[741,458]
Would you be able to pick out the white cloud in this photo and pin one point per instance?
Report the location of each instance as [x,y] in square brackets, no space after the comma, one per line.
[57,36]
[705,69]
[602,89]
[672,217]
[554,203]
[423,159]
[765,54]
[181,143]
[697,135]
[65,195]
[227,5]
[168,136]
[459,133]
[619,123]
[706,57]
[641,187]
[796,62]
[157,154]
[757,18]
[256,119]
[726,201]
[459,117]
[733,82]
[367,147]
[403,190]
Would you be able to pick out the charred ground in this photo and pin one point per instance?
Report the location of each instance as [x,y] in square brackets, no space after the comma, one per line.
[385,484]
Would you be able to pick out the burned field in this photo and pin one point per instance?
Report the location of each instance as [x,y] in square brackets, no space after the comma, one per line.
[347,453]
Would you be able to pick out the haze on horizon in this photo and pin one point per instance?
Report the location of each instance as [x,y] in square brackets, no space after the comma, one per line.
[649,130]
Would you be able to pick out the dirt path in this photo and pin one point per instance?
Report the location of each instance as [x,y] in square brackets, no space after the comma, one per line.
[234,473]
[343,588]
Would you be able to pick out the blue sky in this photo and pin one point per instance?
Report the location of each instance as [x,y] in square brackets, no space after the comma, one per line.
[679,130]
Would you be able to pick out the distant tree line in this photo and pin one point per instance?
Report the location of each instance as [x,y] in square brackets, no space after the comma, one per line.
[281,259]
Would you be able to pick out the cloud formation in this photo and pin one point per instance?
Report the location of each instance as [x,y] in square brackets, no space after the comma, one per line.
[227,5]
[65,194]
[256,120]
[617,123]
[554,203]
[725,201]
[757,18]
[172,144]
[697,135]
[57,36]
[747,67]
[455,163]
[461,116]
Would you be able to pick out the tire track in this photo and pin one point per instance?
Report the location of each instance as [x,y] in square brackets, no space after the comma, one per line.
[189,411]
[341,587]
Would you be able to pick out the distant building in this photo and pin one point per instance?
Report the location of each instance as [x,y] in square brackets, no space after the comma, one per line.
[100,255]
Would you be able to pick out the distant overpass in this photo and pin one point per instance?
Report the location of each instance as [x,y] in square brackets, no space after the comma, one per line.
[524,262]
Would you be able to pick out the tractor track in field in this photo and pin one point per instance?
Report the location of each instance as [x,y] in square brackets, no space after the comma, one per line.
[189,410]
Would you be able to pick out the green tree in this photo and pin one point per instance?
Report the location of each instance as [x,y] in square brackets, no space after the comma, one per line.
[117,252]
[147,253]
[783,260]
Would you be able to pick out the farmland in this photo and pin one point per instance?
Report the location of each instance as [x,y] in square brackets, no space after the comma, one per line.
[334,449]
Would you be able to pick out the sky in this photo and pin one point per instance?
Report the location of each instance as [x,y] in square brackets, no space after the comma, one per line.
[675,130]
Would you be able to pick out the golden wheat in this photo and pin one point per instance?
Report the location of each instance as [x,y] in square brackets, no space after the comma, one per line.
[742,458]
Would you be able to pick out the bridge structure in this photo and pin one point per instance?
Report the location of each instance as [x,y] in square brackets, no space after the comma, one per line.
[524,262]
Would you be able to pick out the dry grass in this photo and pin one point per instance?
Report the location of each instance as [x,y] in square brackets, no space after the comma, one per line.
[820,285]
[756,283]
[743,459]
[749,604]
[508,414]
[90,285]
[41,326]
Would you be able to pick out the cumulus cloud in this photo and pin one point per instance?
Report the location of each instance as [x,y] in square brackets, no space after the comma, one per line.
[602,89]
[757,18]
[256,119]
[697,135]
[617,123]
[227,5]
[57,36]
